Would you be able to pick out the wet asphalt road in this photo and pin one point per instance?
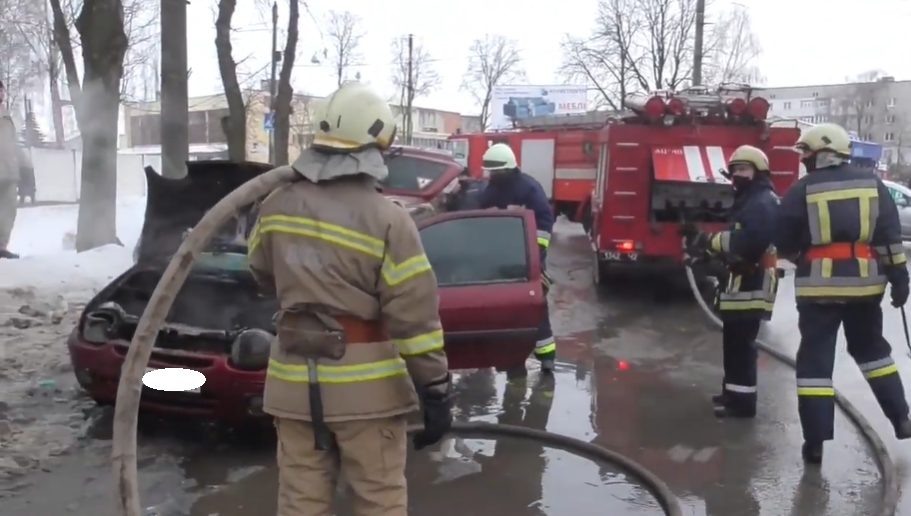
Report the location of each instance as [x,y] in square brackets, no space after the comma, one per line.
[638,366]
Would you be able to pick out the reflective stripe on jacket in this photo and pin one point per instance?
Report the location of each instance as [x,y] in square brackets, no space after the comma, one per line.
[834,205]
[343,247]
[746,247]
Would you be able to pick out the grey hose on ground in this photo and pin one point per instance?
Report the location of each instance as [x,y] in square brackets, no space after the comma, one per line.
[655,485]
[891,482]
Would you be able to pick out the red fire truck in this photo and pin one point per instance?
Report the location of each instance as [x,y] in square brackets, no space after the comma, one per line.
[660,167]
[559,151]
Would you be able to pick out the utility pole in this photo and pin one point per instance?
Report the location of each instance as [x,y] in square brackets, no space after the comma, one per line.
[272,80]
[408,126]
[175,118]
[698,43]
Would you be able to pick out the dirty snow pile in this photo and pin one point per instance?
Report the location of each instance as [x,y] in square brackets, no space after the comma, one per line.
[41,295]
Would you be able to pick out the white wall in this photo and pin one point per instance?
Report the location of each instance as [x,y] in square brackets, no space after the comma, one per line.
[58,171]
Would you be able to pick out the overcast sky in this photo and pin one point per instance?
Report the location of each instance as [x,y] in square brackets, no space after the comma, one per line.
[804,42]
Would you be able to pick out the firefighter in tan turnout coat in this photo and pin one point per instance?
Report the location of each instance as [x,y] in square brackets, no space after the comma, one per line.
[359,343]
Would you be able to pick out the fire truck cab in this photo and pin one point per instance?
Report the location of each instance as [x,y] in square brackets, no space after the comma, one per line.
[661,167]
[560,151]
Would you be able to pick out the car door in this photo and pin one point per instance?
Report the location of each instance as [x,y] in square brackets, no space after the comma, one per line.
[903,202]
[488,269]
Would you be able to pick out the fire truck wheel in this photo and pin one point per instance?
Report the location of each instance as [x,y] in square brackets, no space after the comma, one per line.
[587,219]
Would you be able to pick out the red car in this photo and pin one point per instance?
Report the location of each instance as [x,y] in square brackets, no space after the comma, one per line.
[486,263]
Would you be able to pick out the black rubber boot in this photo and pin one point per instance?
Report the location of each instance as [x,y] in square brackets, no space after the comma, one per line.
[719,400]
[8,255]
[811,453]
[903,430]
[547,362]
[727,411]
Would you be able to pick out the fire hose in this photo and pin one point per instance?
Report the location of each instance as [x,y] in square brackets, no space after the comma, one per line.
[891,481]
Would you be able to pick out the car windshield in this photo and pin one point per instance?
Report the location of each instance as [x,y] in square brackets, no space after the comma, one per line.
[411,174]
[899,188]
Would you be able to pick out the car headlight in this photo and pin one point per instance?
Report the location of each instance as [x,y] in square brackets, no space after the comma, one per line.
[250,349]
[103,323]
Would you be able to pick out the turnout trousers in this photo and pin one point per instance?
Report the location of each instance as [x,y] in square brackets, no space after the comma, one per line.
[739,359]
[545,345]
[370,453]
[863,327]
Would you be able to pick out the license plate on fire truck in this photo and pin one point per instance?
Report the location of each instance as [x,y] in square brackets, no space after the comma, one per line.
[619,256]
[190,391]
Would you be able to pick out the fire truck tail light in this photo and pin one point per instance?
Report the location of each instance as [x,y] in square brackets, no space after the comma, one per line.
[759,108]
[655,107]
[676,106]
[737,107]
[627,245]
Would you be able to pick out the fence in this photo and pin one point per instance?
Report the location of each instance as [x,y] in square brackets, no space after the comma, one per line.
[58,175]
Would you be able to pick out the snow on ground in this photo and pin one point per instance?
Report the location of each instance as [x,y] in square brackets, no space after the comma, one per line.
[41,295]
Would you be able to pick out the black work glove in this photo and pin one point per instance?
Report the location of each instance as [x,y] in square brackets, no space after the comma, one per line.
[437,414]
[900,291]
[688,230]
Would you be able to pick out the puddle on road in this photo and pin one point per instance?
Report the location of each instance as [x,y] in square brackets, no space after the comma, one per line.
[193,471]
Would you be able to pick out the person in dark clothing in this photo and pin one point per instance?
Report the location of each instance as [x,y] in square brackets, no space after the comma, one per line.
[752,283]
[840,225]
[510,187]
[469,194]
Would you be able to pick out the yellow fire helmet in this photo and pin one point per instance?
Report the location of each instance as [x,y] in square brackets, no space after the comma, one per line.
[825,137]
[353,119]
[499,157]
[747,154]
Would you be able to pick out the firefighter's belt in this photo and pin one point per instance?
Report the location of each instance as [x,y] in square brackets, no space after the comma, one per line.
[299,335]
[841,251]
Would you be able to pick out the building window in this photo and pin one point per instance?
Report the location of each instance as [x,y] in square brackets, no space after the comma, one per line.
[215,133]
[868,119]
[822,103]
[892,102]
[815,94]
[806,103]
[197,128]
[888,137]
[869,103]
[772,96]
[890,119]
[887,155]
[787,105]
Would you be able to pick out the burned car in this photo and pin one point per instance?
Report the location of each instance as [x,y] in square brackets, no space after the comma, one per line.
[486,263]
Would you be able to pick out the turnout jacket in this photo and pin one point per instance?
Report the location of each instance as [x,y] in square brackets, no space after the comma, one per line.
[522,190]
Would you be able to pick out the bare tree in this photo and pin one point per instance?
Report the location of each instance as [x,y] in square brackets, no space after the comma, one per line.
[96,99]
[283,97]
[424,77]
[236,125]
[301,130]
[344,33]
[862,103]
[731,50]
[493,61]
[648,45]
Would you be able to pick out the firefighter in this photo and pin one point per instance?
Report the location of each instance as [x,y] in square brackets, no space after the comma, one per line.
[14,163]
[841,227]
[510,187]
[468,196]
[359,316]
[749,295]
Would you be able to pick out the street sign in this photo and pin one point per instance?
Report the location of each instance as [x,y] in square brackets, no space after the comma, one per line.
[269,122]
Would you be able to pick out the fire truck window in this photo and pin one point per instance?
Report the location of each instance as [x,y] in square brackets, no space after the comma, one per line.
[477,250]
[411,174]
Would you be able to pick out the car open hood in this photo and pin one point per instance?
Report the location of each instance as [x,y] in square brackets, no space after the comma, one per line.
[174,206]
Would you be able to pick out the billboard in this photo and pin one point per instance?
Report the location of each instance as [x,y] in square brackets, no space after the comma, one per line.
[511,103]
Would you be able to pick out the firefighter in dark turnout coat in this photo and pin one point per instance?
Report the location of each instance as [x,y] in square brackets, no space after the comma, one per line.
[510,187]
[749,296]
[841,227]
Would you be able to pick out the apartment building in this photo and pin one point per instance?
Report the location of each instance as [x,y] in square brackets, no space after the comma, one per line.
[142,123]
[877,111]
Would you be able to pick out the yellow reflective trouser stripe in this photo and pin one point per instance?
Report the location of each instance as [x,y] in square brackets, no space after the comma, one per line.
[815,387]
[426,343]
[543,238]
[878,368]
[338,374]
[755,304]
[395,274]
[325,231]
[544,346]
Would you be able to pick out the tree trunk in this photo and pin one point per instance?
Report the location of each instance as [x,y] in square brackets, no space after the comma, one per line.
[104,45]
[237,110]
[285,92]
